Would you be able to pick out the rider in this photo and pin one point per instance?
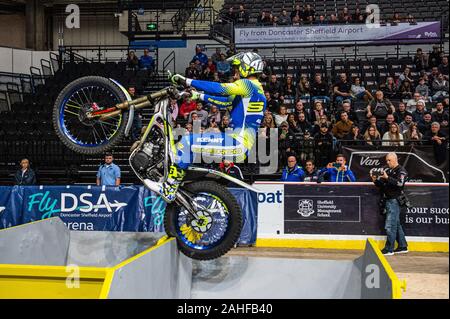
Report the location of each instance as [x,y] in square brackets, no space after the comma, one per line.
[246,98]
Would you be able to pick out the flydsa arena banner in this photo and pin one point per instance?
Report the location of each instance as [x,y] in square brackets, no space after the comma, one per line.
[96,208]
[337,33]
[419,162]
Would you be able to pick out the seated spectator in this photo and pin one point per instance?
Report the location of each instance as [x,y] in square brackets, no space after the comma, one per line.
[405,76]
[293,125]
[200,56]
[342,127]
[356,17]
[440,88]
[393,137]
[214,114]
[440,115]
[439,141]
[297,12]
[420,60]
[423,89]
[216,57]
[281,116]
[346,107]
[292,172]
[264,19]
[271,104]
[354,137]
[230,15]
[192,72]
[406,123]
[300,108]
[359,92]
[323,145]
[309,15]
[410,19]
[405,90]
[412,135]
[225,124]
[380,107]
[285,141]
[323,119]
[202,115]
[25,175]
[187,107]
[400,112]
[242,16]
[396,19]
[342,89]
[213,127]
[311,173]
[317,112]
[208,71]
[274,87]
[344,16]
[419,112]
[319,89]
[296,21]
[223,66]
[435,57]
[174,110]
[146,61]
[132,61]
[333,19]
[412,103]
[371,122]
[443,67]
[303,123]
[305,146]
[231,50]
[386,125]
[229,168]
[108,173]
[338,171]
[289,89]
[433,75]
[425,125]
[303,88]
[372,136]
[389,88]
[284,18]
[322,20]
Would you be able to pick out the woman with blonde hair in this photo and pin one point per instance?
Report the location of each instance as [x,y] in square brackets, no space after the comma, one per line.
[393,137]
[372,136]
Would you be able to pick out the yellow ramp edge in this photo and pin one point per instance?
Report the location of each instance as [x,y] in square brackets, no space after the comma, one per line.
[58,282]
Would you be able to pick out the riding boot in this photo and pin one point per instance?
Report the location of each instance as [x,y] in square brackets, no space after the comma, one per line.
[169,188]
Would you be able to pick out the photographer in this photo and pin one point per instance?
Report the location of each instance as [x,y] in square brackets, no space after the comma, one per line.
[391,182]
[338,171]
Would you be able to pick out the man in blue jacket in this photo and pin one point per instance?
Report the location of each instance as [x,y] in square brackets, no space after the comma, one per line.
[292,172]
[338,172]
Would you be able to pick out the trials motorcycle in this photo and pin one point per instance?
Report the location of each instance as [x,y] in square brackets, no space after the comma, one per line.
[93,114]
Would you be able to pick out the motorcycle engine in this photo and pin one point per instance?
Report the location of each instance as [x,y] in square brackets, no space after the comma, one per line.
[150,157]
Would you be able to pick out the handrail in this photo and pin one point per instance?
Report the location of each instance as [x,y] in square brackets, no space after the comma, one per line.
[169,59]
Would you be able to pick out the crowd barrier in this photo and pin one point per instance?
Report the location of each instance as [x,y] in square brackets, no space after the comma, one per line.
[100,208]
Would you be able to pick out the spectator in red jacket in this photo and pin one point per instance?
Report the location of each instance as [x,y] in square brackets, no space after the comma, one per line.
[187,107]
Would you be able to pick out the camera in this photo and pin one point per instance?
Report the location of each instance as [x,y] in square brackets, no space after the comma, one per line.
[377,172]
[337,165]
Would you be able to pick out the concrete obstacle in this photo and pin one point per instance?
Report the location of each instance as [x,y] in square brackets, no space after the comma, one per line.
[45,260]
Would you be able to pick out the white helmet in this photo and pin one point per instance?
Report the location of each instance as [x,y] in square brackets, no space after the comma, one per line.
[248,62]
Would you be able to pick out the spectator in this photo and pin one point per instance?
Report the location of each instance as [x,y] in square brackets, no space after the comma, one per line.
[419,112]
[346,107]
[200,56]
[342,89]
[372,122]
[323,145]
[354,137]
[342,127]
[108,173]
[420,60]
[440,88]
[389,88]
[412,135]
[405,90]
[338,172]
[323,119]
[174,109]
[225,124]
[380,107]
[302,123]
[443,67]
[292,172]
[303,90]
[405,76]
[216,57]
[433,75]
[293,125]
[274,87]
[192,72]
[344,16]
[272,105]
[322,20]
[359,92]
[372,136]
[300,108]
[311,173]
[400,112]
[132,61]
[422,89]
[208,71]
[223,67]
[410,19]
[396,19]
[440,115]
[297,12]
[25,175]
[229,168]
[284,18]
[334,19]
[412,103]
[390,119]
[393,137]
[242,16]
[435,58]
[296,21]
[357,16]
[231,50]
[281,116]
[289,89]
[309,15]
[285,141]
[230,15]
[425,124]
[306,147]
[439,141]
[187,107]
[146,62]
[406,123]
[264,19]
[214,114]
[202,115]
[319,89]
[317,112]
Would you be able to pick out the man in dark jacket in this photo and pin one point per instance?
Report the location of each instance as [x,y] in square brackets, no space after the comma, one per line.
[25,175]
[311,173]
[231,169]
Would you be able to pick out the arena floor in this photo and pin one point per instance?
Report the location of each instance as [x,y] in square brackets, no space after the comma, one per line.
[426,274]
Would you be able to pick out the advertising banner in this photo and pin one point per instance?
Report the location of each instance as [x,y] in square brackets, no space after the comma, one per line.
[353,210]
[96,208]
[364,33]
[418,161]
